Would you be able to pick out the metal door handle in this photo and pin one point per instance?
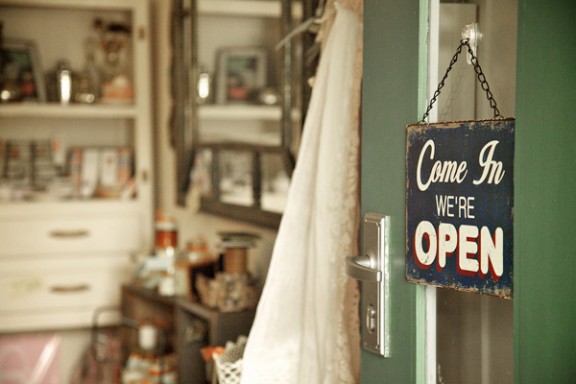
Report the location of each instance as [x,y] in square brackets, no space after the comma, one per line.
[362,268]
[373,271]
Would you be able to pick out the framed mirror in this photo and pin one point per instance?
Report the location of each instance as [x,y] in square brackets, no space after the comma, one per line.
[237,98]
[248,184]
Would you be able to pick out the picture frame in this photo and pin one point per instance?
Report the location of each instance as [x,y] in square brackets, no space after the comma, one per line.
[236,177]
[241,74]
[102,171]
[22,71]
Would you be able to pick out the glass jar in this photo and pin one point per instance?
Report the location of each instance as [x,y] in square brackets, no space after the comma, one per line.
[166,234]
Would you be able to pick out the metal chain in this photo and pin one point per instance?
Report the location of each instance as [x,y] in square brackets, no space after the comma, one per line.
[479,74]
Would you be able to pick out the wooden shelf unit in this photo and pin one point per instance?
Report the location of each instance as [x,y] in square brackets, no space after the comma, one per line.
[189,325]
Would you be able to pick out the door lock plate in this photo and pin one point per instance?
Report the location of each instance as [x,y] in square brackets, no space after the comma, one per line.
[373,271]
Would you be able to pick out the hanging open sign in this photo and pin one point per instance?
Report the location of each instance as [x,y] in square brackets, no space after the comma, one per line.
[459,205]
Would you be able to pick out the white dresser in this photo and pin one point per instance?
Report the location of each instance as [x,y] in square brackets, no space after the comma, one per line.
[63,257]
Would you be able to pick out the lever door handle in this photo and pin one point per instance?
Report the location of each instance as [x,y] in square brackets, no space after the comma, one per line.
[361,268]
[373,271]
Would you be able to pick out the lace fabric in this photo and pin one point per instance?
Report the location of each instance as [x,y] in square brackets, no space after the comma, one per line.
[306,326]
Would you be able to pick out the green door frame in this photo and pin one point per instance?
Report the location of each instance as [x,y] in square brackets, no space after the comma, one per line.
[393,96]
[545,185]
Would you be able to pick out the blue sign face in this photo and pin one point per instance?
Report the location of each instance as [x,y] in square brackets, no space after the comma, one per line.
[460,204]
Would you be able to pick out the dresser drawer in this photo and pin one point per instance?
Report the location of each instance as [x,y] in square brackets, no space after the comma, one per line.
[62,235]
[58,287]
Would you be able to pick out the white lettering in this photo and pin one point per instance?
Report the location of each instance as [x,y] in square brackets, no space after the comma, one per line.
[491,169]
[425,230]
[424,186]
[444,205]
[441,172]
[447,243]
[465,207]
[482,256]
[492,252]
[467,247]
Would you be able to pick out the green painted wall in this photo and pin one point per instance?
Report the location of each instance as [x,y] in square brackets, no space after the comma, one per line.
[390,102]
[545,197]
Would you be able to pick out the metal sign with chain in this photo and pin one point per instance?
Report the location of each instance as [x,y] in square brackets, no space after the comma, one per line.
[459,198]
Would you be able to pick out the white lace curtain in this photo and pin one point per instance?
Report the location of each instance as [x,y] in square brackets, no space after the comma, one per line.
[306,330]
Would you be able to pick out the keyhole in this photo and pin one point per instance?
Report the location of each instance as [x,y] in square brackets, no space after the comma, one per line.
[371,319]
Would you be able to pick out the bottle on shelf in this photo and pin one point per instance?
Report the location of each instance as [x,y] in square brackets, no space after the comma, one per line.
[117,84]
[90,79]
[166,247]
[166,235]
[64,82]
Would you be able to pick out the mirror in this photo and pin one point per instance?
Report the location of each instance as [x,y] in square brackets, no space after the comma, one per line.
[237,103]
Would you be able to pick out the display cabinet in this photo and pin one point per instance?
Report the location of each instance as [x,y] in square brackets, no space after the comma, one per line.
[76,157]
[237,96]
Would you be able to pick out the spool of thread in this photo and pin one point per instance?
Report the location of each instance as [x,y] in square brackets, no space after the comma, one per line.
[166,234]
[236,260]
